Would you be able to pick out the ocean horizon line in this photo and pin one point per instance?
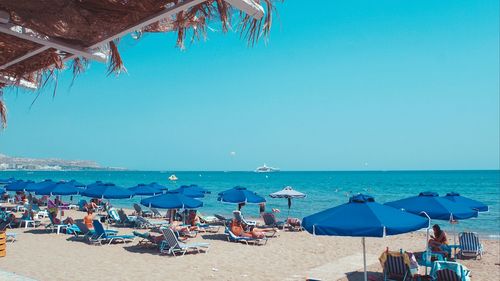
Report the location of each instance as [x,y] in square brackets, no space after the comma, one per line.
[251,171]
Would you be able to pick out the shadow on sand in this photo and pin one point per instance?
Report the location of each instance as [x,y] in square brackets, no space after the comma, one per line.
[359,276]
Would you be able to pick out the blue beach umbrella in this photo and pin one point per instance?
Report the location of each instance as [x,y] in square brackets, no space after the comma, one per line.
[107,191]
[363,217]
[78,184]
[7,181]
[143,189]
[19,185]
[172,200]
[33,187]
[433,206]
[240,195]
[158,186]
[97,183]
[192,191]
[60,188]
[464,201]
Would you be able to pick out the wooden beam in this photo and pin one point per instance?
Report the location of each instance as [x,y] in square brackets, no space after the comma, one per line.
[30,35]
[249,7]
[23,57]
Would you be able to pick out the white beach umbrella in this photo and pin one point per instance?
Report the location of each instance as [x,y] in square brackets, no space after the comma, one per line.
[288,192]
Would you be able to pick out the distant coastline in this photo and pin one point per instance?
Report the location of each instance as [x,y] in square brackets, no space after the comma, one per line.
[8,163]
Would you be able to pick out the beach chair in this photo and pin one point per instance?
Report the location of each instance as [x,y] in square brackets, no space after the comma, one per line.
[470,246]
[271,221]
[203,227]
[239,217]
[113,216]
[396,265]
[208,219]
[231,237]
[101,236]
[39,213]
[142,222]
[225,221]
[146,239]
[140,212]
[55,226]
[80,228]
[156,213]
[449,271]
[173,246]
[126,220]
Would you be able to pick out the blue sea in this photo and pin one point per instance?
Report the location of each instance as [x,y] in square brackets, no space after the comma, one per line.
[323,189]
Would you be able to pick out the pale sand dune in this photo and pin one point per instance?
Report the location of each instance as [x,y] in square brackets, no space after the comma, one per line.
[42,255]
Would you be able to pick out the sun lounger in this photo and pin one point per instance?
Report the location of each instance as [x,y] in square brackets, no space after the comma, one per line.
[449,271]
[172,245]
[271,221]
[39,213]
[224,220]
[113,216]
[208,228]
[156,213]
[239,217]
[101,236]
[231,237]
[55,226]
[470,246]
[146,239]
[142,222]
[208,219]
[140,212]
[396,266]
[125,220]
[80,228]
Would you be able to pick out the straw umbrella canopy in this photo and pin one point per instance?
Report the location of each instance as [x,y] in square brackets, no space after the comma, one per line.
[363,217]
[241,196]
[288,192]
[61,35]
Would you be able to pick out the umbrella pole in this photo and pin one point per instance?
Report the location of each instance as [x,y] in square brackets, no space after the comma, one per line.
[426,242]
[364,259]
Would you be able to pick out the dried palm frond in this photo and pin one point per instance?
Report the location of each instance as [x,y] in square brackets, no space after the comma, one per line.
[115,62]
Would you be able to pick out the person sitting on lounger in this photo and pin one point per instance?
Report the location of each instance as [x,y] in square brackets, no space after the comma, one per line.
[68,220]
[91,206]
[87,220]
[193,218]
[438,240]
[258,233]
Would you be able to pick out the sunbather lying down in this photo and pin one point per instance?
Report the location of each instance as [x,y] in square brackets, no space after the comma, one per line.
[256,232]
[177,226]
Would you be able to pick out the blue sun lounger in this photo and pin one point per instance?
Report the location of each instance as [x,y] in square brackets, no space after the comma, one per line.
[101,235]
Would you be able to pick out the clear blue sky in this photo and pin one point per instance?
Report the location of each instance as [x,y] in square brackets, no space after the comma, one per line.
[341,85]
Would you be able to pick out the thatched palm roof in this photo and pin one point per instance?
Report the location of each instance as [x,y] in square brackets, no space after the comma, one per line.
[39,37]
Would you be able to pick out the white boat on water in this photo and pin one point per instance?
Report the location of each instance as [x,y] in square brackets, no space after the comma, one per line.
[172,177]
[266,169]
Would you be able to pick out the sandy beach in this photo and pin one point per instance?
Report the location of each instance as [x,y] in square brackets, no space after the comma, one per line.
[42,255]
